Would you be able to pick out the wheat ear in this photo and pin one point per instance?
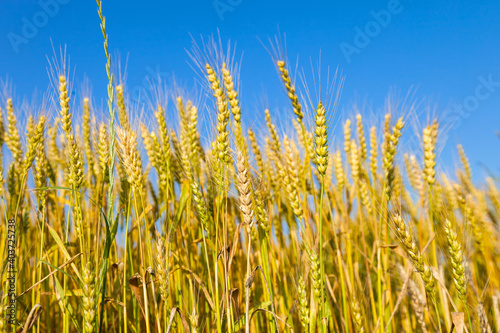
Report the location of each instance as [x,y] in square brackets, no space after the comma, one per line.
[415,256]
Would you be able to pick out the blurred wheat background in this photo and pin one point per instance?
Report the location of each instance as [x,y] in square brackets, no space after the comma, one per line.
[129,223]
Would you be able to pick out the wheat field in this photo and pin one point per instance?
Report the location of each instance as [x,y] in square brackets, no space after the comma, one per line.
[118,225]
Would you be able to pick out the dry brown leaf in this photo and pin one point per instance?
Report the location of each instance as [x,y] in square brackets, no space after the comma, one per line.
[35,312]
[135,283]
[185,324]
[458,322]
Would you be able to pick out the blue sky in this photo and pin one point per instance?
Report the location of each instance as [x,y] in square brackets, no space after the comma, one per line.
[447,52]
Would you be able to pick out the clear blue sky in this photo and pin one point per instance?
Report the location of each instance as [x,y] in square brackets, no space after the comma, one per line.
[449,50]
